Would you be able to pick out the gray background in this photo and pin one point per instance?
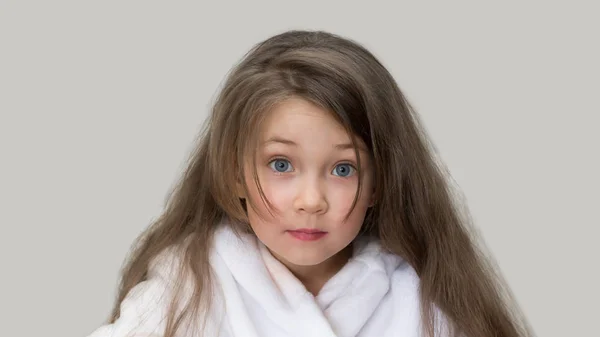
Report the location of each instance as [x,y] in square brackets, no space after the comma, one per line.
[100,102]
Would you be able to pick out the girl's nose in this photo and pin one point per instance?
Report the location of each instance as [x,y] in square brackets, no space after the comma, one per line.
[311,197]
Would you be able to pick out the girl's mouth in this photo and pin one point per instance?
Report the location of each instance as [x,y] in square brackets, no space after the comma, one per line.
[307,234]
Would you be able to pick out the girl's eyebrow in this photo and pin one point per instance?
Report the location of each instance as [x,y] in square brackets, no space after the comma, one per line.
[348,146]
[281,140]
[277,139]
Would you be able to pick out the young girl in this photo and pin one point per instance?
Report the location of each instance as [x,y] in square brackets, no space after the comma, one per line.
[313,206]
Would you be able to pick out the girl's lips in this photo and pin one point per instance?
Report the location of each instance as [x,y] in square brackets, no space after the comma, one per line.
[307,234]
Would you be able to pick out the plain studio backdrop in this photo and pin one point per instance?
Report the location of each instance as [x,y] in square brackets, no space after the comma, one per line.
[100,103]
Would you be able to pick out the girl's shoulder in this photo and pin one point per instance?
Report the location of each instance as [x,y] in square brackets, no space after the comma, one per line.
[146,305]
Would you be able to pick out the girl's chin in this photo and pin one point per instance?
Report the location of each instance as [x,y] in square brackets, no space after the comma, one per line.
[300,260]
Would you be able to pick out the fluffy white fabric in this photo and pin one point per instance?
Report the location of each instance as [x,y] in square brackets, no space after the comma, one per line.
[375,294]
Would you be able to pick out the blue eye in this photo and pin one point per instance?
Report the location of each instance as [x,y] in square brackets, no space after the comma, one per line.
[344,170]
[281,165]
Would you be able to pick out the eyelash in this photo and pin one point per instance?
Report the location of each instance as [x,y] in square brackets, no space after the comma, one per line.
[289,161]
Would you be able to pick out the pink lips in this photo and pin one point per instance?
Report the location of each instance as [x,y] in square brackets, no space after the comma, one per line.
[307,234]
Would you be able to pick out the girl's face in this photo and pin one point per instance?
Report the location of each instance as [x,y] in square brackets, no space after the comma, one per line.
[307,169]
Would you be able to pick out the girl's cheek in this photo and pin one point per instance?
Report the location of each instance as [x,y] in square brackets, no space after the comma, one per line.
[278,190]
[343,194]
[341,197]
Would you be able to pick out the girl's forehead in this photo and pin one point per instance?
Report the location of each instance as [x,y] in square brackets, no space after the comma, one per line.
[297,117]
[309,128]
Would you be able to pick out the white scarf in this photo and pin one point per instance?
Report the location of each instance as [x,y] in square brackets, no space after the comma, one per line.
[374,295]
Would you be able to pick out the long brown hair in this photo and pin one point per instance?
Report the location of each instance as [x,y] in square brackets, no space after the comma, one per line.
[417,214]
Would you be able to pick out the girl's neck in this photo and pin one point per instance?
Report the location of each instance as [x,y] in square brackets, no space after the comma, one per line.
[315,277]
